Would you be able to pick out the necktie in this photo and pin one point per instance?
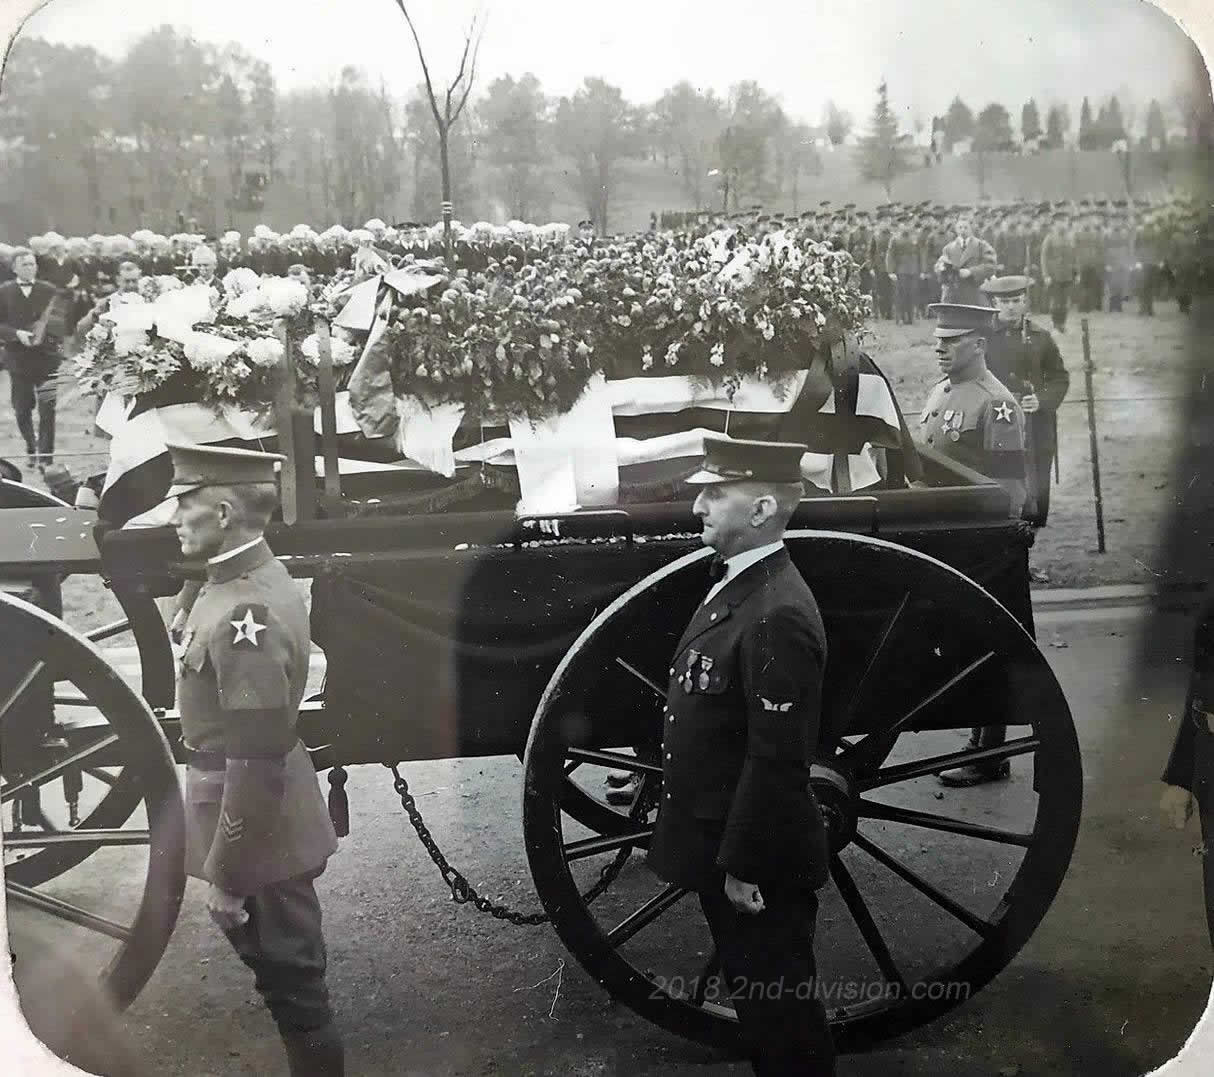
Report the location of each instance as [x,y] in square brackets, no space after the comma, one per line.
[717,569]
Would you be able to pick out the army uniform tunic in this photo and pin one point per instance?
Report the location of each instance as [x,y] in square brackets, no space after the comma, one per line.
[740,727]
[979,424]
[257,825]
[1019,358]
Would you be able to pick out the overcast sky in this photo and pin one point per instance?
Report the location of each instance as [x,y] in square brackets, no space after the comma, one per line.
[804,51]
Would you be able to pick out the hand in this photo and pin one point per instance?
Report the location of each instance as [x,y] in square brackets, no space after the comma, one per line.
[965,273]
[745,897]
[1030,403]
[26,337]
[1176,804]
[227,910]
[177,628]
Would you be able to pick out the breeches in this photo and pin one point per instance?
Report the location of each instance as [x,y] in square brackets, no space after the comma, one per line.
[283,945]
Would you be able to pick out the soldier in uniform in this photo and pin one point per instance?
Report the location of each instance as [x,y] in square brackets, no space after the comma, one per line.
[738,822]
[883,284]
[903,264]
[1090,257]
[1058,266]
[1189,775]
[1119,252]
[257,828]
[1148,254]
[1026,360]
[972,417]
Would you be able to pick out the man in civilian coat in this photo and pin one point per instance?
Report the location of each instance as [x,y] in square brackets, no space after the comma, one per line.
[30,332]
[738,822]
[963,265]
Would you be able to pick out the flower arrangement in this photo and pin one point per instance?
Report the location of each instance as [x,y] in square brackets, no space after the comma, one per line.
[524,335]
[517,331]
[272,297]
[722,308]
[498,341]
[127,361]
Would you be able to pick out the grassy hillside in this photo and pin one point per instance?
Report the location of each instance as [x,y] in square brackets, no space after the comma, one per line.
[646,186]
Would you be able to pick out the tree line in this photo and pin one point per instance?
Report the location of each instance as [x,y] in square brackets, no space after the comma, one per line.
[178,131]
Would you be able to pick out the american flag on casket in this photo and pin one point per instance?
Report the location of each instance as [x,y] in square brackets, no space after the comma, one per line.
[840,405]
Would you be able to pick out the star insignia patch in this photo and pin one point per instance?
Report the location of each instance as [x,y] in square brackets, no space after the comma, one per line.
[1003,412]
[247,628]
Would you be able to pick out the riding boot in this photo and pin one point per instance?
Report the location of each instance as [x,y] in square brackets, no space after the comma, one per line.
[316,1052]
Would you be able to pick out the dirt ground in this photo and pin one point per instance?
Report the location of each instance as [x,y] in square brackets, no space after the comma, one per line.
[1140,368]
[1110,983]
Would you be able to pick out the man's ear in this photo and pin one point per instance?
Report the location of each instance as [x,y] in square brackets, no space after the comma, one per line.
[227,513]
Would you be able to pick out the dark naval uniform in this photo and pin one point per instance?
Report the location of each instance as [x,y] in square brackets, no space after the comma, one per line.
[1027,360]
[257,825]
[1191,764]
[741,725]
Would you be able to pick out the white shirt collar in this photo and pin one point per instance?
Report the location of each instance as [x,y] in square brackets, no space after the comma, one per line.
[739,562]
[220,558]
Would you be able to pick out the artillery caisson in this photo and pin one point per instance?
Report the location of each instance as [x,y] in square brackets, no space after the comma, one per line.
[476,633]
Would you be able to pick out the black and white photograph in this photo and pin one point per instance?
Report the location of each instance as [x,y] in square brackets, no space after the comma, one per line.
[547,539]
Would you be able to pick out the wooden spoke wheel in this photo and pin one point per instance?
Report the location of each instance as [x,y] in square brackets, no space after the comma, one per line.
[71,729]
[933,889]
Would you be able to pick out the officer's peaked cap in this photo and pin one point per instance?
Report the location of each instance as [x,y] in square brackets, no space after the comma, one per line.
[735,460]
[196,466]
[958,319]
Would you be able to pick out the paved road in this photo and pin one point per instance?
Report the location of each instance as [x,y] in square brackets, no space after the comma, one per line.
[1110,984]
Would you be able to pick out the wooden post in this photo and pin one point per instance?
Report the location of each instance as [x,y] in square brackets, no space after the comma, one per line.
[1092,439]
[295,441]
[326,384]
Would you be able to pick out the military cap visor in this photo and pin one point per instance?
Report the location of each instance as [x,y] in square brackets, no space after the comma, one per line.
[736,460]
[958,319]
[1009,286]
[197,466]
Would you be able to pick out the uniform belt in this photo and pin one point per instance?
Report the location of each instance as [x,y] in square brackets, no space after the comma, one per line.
[204,760]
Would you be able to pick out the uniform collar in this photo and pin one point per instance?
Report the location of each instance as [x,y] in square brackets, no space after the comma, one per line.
[739,562]
[717,609]
[236,563]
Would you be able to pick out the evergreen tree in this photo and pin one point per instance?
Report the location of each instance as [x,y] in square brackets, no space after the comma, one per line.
[1030,121]
[883,155]
[1157,132]
[1086,131]
[1114,122]
[958,123]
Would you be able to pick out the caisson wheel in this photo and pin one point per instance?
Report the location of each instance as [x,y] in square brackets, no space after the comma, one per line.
[66,716]
[933,889]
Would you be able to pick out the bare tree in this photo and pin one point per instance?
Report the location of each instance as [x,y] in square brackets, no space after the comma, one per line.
[454,100]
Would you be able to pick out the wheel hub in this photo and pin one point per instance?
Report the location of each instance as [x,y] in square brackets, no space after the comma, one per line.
[837,796]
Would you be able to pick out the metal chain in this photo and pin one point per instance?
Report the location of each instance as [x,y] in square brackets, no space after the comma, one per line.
[463,891]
